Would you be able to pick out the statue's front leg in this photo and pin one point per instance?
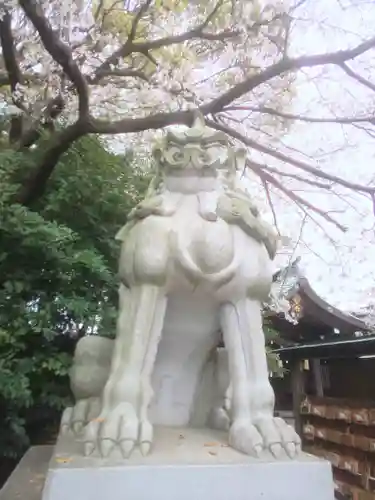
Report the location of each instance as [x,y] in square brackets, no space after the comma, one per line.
[277,435]
[243,435]
[254,426]
[122,423]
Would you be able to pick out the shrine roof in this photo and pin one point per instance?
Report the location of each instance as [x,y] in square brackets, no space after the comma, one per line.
[319,323]
[353,347]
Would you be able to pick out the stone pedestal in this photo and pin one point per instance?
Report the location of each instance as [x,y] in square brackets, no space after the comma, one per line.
[186,464]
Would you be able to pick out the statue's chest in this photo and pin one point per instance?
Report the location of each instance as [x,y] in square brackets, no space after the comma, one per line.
[206,238]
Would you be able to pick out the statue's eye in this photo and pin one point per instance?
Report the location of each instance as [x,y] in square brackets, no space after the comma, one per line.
[175,154]
[178,155]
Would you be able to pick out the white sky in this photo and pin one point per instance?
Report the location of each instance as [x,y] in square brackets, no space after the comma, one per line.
[340,270]
[343,272]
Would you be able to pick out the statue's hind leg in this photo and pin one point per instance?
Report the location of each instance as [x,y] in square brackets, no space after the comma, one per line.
[253,425]
[219,416]
[122,423]
[88,376]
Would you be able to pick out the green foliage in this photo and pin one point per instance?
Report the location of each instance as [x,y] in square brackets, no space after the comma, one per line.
[58,266]
[274,365]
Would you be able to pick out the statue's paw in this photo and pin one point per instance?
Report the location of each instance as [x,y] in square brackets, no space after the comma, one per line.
[76,417]
[244,437]
[219,419]
[279,437]
[118,431]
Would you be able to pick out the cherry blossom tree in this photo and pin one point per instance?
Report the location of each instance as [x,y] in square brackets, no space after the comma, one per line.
[75,67]
[257,70]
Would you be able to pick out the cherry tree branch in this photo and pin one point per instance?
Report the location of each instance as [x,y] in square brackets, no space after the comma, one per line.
[212,14]
[53,109]
[357,77]
[296,117]
[60,52]
[271,205]
[25,77]
[130,47]
[14,75]
[138,17]
[124,73]
[35,185]
[98,9]
[217,105]
[288,65]
[4,77]
[133,125]
[247,141]
[88,124]
[290,175]
[265,176]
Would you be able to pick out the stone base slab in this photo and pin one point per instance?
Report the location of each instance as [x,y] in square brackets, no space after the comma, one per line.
[27,479]
[186,464]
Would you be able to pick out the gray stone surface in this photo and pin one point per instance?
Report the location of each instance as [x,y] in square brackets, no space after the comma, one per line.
[187,464]
[27,480]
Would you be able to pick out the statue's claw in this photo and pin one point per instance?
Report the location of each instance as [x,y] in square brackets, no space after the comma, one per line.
[244,437]
[279,437]
[120,431]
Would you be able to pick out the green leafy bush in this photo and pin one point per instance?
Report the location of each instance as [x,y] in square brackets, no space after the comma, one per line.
[58,265]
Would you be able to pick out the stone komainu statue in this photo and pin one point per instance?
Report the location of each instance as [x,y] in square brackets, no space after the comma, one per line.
[195,260]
